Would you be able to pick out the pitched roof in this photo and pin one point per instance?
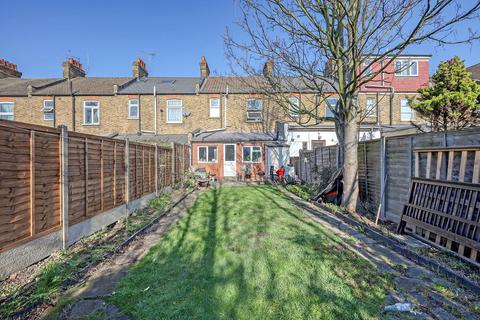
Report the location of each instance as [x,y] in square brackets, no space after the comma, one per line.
[222,136]
[85,86]
[163,85]
[254,84]
[19,86]
[475,71]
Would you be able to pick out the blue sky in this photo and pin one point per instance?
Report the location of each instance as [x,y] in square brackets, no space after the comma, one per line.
[108,35]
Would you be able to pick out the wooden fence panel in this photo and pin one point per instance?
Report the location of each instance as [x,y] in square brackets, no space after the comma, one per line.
[15,218]
[30,177]
[46,166]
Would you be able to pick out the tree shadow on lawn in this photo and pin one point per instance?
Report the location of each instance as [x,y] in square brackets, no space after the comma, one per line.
[247,253]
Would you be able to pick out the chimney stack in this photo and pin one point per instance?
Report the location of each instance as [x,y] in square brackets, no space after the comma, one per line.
[268,69]
[72,68]
[204,69]
[139,69]
[8,70]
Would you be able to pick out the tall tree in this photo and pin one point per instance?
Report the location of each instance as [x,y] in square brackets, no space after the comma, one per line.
[301,36]
[453,100]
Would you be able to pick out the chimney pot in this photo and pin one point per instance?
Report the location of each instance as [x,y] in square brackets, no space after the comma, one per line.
[139,69]
[8,69]
[72,68]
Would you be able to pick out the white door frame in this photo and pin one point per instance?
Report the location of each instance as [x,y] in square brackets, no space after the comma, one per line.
[230,162]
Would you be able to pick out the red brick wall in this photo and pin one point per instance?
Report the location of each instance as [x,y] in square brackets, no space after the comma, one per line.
[217,167]
[400,84]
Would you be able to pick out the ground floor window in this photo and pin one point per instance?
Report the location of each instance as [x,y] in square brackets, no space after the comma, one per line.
[252,154]
[48,113]
[207,154]
[6,110]
[406,112]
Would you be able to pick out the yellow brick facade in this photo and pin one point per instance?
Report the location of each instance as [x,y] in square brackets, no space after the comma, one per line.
[114,112]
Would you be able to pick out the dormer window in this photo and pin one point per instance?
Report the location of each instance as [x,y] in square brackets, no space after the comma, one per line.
[406,68]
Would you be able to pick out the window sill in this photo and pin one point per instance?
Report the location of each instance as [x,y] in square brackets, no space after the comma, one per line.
[207,162]
[174,122]
[91,124]
[214,117]
[252,162]
[409,76]
[254,121]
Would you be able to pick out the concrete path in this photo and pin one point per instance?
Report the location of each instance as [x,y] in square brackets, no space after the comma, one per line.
[90,296]
[413,284]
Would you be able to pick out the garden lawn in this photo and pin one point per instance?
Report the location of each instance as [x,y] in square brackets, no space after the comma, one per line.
[249,253]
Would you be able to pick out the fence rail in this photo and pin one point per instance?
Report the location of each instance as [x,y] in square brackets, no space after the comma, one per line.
[51,179]
[388,165]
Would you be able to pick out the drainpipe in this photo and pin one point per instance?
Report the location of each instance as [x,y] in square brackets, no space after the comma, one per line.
[155,108]
[73,103]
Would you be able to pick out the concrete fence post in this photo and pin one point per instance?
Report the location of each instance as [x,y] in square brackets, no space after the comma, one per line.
[64,183]
[173,163]
[156,169]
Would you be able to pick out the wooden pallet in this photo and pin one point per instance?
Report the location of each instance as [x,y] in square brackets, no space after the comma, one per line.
[443,205]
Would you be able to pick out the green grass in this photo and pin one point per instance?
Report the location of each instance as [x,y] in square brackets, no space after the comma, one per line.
[301,191]
[248,253]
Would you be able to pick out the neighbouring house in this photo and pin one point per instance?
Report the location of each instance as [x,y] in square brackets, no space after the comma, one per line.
[143,105]
[239,155]
[475,71]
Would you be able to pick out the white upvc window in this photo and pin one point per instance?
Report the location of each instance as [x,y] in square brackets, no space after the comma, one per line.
[406,113]
[294,107]
[371,107]
[133,108]
[215,108]
[174,111]
[48,112]
[254,110]
[367,65]
[252,154]
[406,68]
[331,106]
[6,110]
[91,112]
[207,154]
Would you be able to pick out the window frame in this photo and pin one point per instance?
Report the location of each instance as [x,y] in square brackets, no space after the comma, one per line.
[130,105]
[251,154]
[12,114]
[98,112]
[328,107]
[251,110]
[408,69]
[207,152]
[367,66]
[291,109]
[210,114]
[169,107]
[374,108]
[402,113]
[52,111]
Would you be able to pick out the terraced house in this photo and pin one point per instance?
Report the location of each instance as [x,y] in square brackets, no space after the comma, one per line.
[234,129]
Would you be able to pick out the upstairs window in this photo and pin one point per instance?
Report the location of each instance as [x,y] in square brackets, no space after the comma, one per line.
[91,112]
[174,111]
[207,154]
[406,68]
[133,108]
[215,108]
[254,110]
[406,113]
[331,106]
[48,112]
[371,107]
[252,154]
[294,107]
[367,67]
[6,110]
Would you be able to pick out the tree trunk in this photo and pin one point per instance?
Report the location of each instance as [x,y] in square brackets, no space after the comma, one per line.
[350,164]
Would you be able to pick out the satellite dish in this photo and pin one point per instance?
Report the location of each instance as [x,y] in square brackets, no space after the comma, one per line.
[186,113]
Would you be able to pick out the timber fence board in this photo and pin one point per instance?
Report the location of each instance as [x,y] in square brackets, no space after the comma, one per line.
[399,165]
[96,169]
